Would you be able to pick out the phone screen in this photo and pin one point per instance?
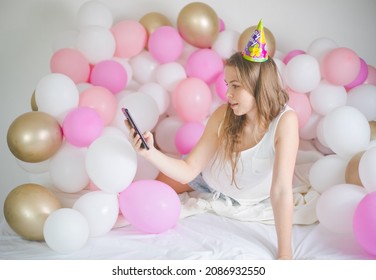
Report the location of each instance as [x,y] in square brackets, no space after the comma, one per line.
[126,113]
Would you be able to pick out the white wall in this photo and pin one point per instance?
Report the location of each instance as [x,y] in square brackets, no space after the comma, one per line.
[28,28]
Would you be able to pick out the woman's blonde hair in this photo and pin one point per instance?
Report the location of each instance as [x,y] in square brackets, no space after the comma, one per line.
[262,80]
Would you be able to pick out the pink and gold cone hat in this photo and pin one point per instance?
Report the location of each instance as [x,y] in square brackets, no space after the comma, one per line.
[256,50]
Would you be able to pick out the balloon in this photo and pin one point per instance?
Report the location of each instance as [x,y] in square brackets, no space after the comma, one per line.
[159,94]
[326,97]
[165,44]
[361,77]
[352,170]
[363,98]
[94,13]
[33,103]
[150,206]
[320,47]
[82,126]
[145,170]
[170,74]
[364,223]
[372,125]
[326,172]
[269,37]
[100,209]
[204,64]
[101,100]
[144,67]
[34,137]
[226,43]
[165,132]
[366,169]
[300,103]
[336,207]
[56,94]
[26,209]
[187,136]
[109,74]
[371,77]
[346,131]
[96,43]
[302,73]
[34,167]
[66,230]
[292,54]
[192,99]
[198,24]
[308,130]
[111,163]
[221,87]
[340,66]
[72,63]
[153,20]
[67,169]
[130,37]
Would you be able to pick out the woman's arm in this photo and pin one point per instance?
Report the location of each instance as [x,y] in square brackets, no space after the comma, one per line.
[286,147]
[184,170]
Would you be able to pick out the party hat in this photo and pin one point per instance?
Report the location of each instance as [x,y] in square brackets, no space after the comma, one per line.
[255,49]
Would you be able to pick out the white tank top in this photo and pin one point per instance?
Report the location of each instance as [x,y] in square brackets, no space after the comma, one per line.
[254,174]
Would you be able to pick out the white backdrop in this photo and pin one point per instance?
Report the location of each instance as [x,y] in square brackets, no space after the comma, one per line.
[29,27]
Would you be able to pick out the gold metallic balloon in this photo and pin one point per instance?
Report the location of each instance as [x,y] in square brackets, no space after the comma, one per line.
[246,35]
[34,136]
[198,24]
[153,20]
[34,105]
[352,170]
[27,207]
[372,125]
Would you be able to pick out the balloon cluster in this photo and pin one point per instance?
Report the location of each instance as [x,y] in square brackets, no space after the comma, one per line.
[171,79]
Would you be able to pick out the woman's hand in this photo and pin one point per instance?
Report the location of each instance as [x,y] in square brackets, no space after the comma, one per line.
[136,141]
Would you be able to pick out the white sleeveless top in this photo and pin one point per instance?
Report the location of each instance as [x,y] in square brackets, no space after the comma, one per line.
[254,174]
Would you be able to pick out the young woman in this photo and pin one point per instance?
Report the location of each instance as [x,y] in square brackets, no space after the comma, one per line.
[248,150]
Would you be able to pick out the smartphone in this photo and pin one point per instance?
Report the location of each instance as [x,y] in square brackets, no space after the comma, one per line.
[126,113]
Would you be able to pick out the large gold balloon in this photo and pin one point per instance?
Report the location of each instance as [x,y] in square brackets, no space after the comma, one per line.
[198,24]
[27,207]
[372,125]
[352,170]
[269,37]
[153,20]
[33,102]
[34,136]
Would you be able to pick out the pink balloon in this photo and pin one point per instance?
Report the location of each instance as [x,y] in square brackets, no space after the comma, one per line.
[221,87]
[340,66]
[165,44]
[371,77]
[222,25]
[82,126]
[302,106]
[100,99]
[292,54]
[109,74]
[364,223]
[187,136]
[130,37]
[150,206]
[204,64]
[192,99]
[72,63]
[362,76]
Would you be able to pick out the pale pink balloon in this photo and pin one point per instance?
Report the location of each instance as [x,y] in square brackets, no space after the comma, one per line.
[301,104]
[100,99]
[340,66]
[130,37]
[204,64]
[109,74]
[165,44]
[192,99]
[72,63]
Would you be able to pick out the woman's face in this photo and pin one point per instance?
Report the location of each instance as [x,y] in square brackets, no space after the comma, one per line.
[241,101]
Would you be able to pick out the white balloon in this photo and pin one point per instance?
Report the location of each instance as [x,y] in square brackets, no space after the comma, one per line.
[56,94]
[34,167]
[363,97]
[66,230]
[336,207]
[67,169]
[320,47]
[96,43]
[346,131]
[327,171]
[366,167]
[226,43]
[165,132]
[145,170]
[94,13]
[302,73]
[111,163]
[100,209]
[170,74]
[326,97]
[159,94]
[308,130]
[144,67]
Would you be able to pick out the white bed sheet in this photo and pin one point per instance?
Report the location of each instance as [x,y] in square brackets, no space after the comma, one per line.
[205,236]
